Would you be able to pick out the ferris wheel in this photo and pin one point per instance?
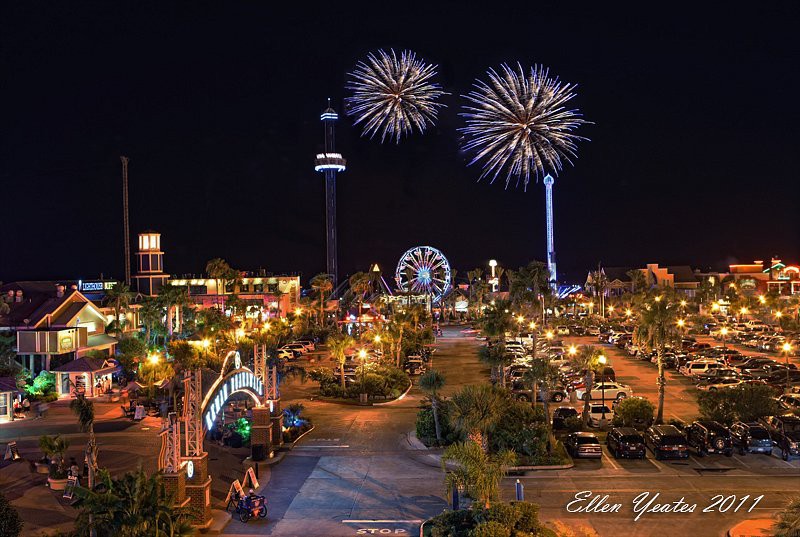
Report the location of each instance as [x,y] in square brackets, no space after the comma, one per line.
[423,270]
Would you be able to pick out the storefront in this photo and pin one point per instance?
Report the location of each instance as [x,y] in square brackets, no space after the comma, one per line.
[85,376]
[8,393]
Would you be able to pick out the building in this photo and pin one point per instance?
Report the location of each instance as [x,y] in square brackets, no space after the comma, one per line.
[53,323]
[618,280]
[150,276]
[8,393]
[86,376]
[756,278]
[264,295]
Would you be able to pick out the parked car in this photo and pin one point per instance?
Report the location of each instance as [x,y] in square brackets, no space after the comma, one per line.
[790,402]
[561,415]
[709,437]
[562,331]
[523,393]
[609,390]
[666,441]
[308,344]
[626,442]
[299,347]
[414,366]
[286,354]
[785,432]
[698,367]
[713,385]
[583,446]
[751,438]
[596,413]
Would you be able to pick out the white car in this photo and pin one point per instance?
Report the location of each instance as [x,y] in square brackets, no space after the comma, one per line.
[307,343]
[699,367]
[562,331]
[593,331]
[596,412]
[299,347]
[285,354]
[719,384]
[611,390]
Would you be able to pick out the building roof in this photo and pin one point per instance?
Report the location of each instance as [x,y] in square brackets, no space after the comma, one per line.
[682,273]
[85,364]
[8,384]
[617,273]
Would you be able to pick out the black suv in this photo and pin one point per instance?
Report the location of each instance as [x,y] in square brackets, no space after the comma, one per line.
[751,438]
[785,431]
[560,416]
[626,442]
[666,441]
[709,437]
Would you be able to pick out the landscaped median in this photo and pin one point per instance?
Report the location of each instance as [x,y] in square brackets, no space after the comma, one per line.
[375,386]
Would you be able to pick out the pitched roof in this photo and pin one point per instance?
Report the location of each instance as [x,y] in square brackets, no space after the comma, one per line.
[617,273]
[682,273]
[8,384]
[84,364]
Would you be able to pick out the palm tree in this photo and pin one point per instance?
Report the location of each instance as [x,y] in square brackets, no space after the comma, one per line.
[322,283]
[477,472]
[497,359]
[219,270]
[476,410]
[656,329]
[338,347]
[133,505]
[638,281]
[586,360]
[431,382]
[150,313]
[530,284]
[360,284]
[120,297]
[173,298]
[788,524]
[84,411]
[397,328]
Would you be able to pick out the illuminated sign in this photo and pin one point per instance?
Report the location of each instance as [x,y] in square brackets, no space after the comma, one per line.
[92,286]
[189,469]
[244,380]
[65,343]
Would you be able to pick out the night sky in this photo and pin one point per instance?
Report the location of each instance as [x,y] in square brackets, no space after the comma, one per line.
[693,158]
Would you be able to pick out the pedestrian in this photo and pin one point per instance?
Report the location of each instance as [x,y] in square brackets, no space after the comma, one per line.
[26,406]
[16,409]
[164,408]
[74,469]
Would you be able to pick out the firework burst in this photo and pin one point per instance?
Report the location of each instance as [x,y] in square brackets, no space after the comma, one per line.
[517,124]
[393,96]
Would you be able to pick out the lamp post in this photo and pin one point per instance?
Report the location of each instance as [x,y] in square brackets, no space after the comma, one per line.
[787,348]
[362,355]
[153,359]
[602,361]
[681,324]
[723,332]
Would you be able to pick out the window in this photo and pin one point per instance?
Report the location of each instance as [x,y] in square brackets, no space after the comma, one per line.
[3,404]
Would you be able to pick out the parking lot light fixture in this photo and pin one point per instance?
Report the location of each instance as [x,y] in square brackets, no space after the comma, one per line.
[602,361]
[658,298]
[549,334]
[787,348]
[762,299]
[520,319]
[628,312]
[573,350]
[298,312]
[681,323]
[724,332]
[610,310]
[715,306]
[532,325]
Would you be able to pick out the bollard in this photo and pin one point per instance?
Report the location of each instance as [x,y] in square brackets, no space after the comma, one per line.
[520,488]
[455,499]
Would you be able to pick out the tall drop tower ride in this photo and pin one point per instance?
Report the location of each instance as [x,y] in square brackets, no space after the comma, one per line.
[330,163]
[551,248]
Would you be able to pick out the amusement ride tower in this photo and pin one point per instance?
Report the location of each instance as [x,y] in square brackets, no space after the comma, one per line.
[330,163]
[551,248]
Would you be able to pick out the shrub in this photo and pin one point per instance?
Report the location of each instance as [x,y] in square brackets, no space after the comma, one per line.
[634,412]
[10,521]
[490,529]
[452,523]
[747,402]
[522,429]
[528,516]
[426,428]
[505,513]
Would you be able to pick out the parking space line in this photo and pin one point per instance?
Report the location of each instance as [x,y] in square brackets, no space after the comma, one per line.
[696,461]
[741,460]
[611,461]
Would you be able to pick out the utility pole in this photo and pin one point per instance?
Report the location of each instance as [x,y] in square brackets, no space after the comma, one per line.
[125,223]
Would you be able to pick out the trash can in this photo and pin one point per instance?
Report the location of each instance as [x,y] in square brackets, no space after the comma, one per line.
[363,398]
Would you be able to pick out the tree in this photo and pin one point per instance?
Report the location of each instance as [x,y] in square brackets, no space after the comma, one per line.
[173,298]
[338,347]
[84,411]
[587,360]
[747,402]
[478,473]
[54,447]
[476,409]
[633,411]
[134,505]
[638,281]
[788,523]
[10,521]
[496,358]
[119,296]
[150,313]
[431,382]
[656,330]
[360,284]
[220,271]
[530,284]
[497,319]
[323,284]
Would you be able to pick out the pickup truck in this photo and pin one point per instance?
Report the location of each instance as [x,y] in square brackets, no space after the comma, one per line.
[785,432]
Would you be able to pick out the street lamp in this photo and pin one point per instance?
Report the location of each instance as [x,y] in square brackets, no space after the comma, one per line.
[762,299]
[610,310]
[298,312]
[724,332]
[573,350]
[681,324]
[549,335]
[628,312]
[742,313]
[532,325]
[602,361]
[787,348]
[153,359]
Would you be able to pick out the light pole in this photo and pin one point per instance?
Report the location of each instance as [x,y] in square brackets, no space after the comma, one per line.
[787,348]
[362,355]
[723,332]
[153,359]
[602,361]
[681,324]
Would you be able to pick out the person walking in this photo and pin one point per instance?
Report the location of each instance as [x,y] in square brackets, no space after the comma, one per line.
[26,406]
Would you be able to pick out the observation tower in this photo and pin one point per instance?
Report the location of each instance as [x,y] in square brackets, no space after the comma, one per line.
[330,163]
[551,248]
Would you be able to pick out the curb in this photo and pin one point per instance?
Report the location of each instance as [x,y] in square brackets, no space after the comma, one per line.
[398,398]
[296,440]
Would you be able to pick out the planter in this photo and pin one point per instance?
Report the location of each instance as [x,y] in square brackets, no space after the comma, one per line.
[42,468]
[56,484]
